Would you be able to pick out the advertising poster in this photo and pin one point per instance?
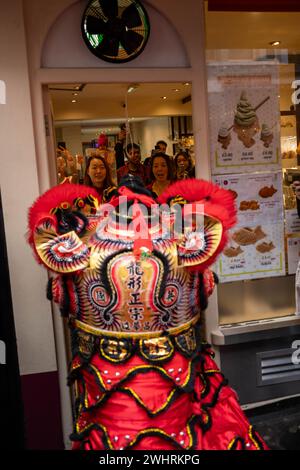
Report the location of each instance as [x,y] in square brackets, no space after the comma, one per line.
[244,117]
[256,246]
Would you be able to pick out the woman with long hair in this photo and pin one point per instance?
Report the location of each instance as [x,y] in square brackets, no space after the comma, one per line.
[97,174]
[161,173]
[183,165]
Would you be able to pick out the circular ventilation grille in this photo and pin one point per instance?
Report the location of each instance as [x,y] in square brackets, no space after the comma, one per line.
[115,30]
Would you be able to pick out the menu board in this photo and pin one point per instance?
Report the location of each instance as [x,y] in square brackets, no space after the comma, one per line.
[256,244]
[244,116]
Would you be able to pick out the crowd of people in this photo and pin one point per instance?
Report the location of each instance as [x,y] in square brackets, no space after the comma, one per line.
[105,168]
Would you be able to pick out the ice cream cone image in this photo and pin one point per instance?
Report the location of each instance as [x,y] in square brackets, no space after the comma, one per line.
[224,137]
[266,136]
[246,123]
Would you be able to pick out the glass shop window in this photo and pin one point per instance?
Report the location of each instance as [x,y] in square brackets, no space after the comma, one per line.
[254,113]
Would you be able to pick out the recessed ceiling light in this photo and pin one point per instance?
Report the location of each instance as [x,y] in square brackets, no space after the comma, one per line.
[132,87]
[74,101]
[275,43]
[175,89]
[186,83]
[163,97]
[74,94]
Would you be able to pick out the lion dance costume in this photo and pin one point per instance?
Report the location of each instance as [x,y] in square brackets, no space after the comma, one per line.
[142,377]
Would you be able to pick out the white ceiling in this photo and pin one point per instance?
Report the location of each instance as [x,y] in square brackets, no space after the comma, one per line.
[107,101]
[252,30]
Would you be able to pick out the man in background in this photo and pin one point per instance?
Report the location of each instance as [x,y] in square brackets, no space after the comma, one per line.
[119,147]
[161,146]
[133,165]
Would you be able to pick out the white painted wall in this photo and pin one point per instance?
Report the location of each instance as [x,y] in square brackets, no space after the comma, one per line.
[148,132]
[19,188]
[73,138]
[164,48]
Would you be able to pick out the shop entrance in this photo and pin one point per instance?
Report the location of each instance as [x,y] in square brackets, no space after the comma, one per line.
[85,115]
[77,116]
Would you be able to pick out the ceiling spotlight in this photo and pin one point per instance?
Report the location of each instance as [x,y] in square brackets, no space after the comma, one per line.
[175,89]
[275,43]
[163,97]
[74,101]
[132,87]
[186,83]
[74,94]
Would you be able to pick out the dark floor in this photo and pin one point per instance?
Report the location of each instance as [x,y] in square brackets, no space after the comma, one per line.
[278,424]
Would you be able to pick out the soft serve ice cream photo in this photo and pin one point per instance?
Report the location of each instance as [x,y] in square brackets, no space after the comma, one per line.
[266,135]
[246,123]
[224,136]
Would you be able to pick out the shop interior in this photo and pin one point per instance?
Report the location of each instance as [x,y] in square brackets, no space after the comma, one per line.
[149,112]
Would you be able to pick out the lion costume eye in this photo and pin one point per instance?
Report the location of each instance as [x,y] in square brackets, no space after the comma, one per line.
[61,253]
[197,247]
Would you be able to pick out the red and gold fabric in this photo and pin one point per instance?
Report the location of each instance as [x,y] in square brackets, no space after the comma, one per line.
[141,376]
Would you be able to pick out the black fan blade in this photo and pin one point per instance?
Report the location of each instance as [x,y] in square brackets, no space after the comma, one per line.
[109,46]
[131,41]
[131,17]
[94,25]
[110,8]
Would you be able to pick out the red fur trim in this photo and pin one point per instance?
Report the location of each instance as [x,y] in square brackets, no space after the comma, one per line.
[53,197]
[49,200]
[220,204]
[209,282]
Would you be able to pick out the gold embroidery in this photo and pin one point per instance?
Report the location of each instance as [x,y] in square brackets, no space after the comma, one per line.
[231,443]
[115,350]
[187,341]
[252,437]
[156,349]
[120,334]
[86,343]
[140,401]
